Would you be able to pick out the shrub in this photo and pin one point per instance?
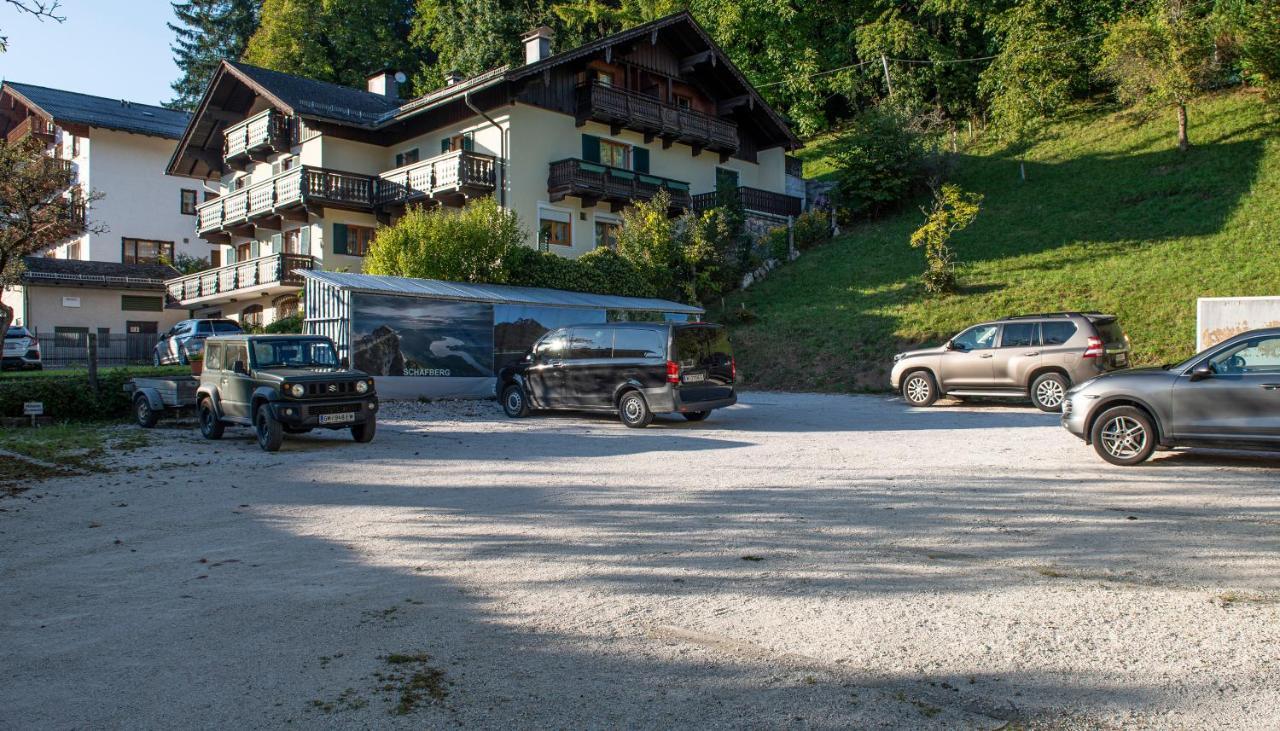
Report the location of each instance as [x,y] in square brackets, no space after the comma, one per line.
[652,241]
[953,209]
[600,272]
[471,244]
[879,162]
[69,397]
[290,324]
[777,243]
[811,229]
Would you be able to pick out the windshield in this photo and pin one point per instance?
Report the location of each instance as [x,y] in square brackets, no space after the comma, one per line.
[16,331]
[294,353]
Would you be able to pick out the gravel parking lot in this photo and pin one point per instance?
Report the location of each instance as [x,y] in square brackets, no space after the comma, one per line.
[796,561]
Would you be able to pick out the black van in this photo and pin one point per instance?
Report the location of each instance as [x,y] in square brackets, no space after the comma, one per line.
[636,369]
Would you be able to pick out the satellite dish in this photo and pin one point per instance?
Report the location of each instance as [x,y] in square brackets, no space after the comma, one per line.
[400,77]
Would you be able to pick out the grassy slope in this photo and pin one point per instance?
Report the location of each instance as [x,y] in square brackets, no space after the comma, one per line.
[1111,217]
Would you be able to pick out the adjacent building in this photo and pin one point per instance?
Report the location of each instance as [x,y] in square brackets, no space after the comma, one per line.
[305,170]
[110,279]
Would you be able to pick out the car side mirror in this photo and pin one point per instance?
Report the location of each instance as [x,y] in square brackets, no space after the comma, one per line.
[1201,372]
[953,345]
[239,367]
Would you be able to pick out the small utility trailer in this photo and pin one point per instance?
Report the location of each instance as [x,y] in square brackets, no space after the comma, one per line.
[153,396]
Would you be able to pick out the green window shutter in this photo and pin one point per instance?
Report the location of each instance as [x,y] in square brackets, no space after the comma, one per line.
[304,240]
[640,159]
[139,303]
[469,141]
[231,255]
[591,148]
[277,243]
[255,249]
[339,238]
[444,145]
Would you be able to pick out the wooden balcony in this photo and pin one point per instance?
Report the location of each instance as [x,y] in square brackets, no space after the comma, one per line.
[225,283]
[622,109]
[287,195]
[33,125]
[450,178]
[755,200]
[257,138]
[595,183]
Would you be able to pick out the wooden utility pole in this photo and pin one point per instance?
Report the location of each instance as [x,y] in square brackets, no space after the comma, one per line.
[888,82]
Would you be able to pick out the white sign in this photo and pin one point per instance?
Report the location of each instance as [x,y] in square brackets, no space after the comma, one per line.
[33,408]
[70,301]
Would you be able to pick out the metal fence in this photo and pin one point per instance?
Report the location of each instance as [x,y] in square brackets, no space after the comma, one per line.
[62,350]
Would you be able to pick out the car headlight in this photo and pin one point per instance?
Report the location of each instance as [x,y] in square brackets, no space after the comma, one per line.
[297,390]
[362,386]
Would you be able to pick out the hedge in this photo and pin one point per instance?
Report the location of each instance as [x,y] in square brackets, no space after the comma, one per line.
[599,272]
[70,397]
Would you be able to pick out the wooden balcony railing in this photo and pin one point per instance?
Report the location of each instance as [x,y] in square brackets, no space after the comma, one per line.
[459,172]
[258,136]
[270,269]
[593,182]
[754,199]
[32,125]
[289,189]
[621,108]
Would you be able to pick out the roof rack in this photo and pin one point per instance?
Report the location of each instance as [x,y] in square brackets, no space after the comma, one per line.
[1090,313]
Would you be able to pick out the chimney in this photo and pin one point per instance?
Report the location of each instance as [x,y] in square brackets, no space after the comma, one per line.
[453,77]
[385,83]
[537,44]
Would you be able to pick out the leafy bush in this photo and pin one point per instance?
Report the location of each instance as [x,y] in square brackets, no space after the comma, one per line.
[812,228]
[652,241]
[285,325]
[471,244]
[600,272]
[69,397]
[777,243]
[953,209]
[879,162]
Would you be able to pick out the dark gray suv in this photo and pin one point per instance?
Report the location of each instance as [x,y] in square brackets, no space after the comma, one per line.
[1226,396]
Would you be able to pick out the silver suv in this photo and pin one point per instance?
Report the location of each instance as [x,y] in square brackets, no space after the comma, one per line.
[1036,356]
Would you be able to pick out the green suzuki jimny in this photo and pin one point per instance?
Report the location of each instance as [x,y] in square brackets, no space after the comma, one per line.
[282,384]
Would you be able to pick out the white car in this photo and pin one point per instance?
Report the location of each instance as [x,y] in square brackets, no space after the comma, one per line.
[21,349]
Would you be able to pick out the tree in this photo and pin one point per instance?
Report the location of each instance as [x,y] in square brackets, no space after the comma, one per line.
[207,32]
[1261,46]
[953,209]
[470,36]
[340,41]
[879,162]
[1161,58]
[34,212]
[471,244]
[40,9]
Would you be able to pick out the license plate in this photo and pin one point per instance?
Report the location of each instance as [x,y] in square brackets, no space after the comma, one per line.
[337,418]
[694,378]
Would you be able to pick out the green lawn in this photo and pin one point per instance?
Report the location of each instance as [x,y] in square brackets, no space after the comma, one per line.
[1112,217]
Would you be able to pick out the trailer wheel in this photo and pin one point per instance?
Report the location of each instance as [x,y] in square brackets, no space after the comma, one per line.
[142,411]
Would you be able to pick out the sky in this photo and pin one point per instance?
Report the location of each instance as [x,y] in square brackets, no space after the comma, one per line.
[113,48]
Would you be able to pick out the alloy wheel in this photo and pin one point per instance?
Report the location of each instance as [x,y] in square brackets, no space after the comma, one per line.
[918,389]
[1050,393]
[1124,437]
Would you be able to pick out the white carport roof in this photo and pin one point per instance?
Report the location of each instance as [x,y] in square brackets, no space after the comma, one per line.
[495,293]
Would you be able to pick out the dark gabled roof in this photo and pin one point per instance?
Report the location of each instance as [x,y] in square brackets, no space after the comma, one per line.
[108,274]
[69,107]
[312,98]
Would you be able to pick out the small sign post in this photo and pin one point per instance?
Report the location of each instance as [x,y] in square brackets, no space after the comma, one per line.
[33,409]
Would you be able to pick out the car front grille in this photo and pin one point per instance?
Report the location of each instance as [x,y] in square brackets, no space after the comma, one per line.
[334,409]
[331,389]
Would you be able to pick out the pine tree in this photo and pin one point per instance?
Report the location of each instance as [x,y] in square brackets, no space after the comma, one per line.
[207,32]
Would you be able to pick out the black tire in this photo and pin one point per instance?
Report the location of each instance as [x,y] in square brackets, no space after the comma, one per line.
[210,427]
[363,433]
[270,431]
[920,389]
[514,402]
[634,411]
[696,415]
[143,413]
[1124,436]
[1049,391]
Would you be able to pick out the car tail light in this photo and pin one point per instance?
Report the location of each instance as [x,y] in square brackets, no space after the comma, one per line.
[1095,348]
[733,369]
[673,372]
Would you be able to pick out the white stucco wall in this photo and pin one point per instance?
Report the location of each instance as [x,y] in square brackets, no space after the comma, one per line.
[139,200]
[1220,318]
[45,308]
